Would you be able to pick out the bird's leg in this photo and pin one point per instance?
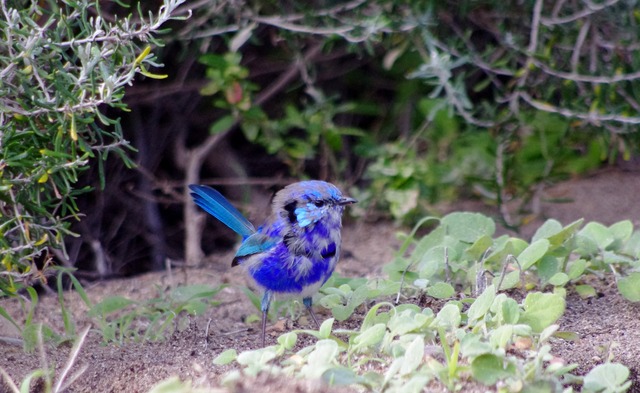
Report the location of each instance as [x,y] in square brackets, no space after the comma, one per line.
[264,306]
[308,302]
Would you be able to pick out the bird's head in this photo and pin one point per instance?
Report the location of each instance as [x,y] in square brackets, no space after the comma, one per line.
[305,203]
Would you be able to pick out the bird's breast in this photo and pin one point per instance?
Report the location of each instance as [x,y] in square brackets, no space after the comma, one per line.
[298,265]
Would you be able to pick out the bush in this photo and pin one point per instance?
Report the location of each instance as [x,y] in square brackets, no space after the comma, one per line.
[62,65]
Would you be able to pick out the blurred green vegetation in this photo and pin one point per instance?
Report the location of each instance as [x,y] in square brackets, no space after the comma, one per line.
[460,98]
[60,67]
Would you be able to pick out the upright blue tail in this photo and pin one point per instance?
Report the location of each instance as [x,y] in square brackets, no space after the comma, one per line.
[215,204]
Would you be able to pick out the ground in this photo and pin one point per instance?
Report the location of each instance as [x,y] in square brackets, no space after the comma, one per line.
[608,326]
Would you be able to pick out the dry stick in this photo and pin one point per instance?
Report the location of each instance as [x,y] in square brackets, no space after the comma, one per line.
[480,284]
[70,362]
[404,273]
[447,267]
[194,221]
[206,334]
[533,44]
[8,381]
[592,8]
[502,193]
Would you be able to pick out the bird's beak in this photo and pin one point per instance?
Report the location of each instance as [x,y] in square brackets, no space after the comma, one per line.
[346,201]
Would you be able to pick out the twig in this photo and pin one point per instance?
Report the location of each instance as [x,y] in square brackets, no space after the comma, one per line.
[75,350]
[234,332]
[404,273]
[592,8]
[586,78]
[8,381]
[591,117]
[582,35]
[12,341]
[206,334]
[501,194]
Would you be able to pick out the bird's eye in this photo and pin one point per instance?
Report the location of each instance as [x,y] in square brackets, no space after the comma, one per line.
[319,203]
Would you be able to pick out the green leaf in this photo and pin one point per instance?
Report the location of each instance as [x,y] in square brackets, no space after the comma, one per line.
[257,358]
[393,369]
[441,290]
[509,281]
[370,337]
[110,305]
[598,233]
[5,315]
[401,202]
[222,124]
[39,374]
[225,357]
[432,262]
[547,267]
[321,358]
[541,310]
[567,336]
[472,345]
[629,287]
[325,328]
[468,227]
[501,252]
[340,376]
[489,369]
[448,316]
[559,238]
[288,340]
[342,313]
[188,292]
[608,377]
[30,335]
[151,75]
[632,246]
[622,230]
[482,304]
[585,245]
[510,311]
[576,268]
[479,247]
[559,279]
[330,301]
[373,317]
[585,291]
[172,385]
[501,336]
[194,307]
[413,356]
[416,384]
[406,321]
[533,253]
[549,228]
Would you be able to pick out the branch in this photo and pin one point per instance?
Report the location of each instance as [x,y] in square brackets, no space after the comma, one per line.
[195,158]
[591,117]
[586,78]
[592,8]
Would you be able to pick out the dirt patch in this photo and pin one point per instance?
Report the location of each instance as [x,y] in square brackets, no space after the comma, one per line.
[608,326]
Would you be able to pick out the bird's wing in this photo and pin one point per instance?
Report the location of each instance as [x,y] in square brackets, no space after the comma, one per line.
[215,204]
[254,244]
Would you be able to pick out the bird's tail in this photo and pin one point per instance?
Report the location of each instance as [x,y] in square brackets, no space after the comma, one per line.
[218,206]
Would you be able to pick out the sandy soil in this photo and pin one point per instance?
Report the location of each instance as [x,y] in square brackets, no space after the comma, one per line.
[608,325]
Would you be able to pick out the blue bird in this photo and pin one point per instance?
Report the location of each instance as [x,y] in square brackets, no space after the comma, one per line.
[297,248]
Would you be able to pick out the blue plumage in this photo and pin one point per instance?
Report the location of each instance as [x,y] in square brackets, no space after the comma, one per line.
[297,248]
[218,206]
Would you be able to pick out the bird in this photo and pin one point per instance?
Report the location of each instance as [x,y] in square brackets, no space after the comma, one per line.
[297,248]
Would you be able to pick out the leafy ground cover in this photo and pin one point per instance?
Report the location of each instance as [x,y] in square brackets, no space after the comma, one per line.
[435,337]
